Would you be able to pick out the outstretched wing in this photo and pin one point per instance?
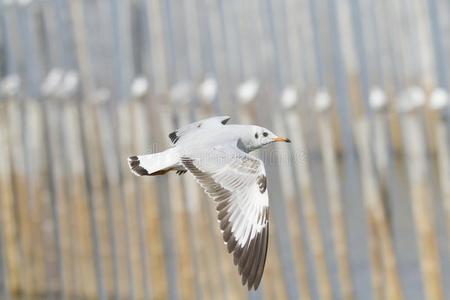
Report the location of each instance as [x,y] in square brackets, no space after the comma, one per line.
[237,183]
[207,123]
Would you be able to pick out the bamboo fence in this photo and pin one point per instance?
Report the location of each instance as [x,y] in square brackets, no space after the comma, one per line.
[360,201]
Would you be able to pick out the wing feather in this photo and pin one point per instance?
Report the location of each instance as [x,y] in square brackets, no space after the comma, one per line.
[207,123]
[237,183]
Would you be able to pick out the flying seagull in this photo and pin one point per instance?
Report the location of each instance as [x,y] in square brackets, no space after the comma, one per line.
[218,157]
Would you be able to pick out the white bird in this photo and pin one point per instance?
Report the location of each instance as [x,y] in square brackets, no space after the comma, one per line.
[217,156]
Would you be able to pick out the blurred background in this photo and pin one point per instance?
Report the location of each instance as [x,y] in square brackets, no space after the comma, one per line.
[360,201]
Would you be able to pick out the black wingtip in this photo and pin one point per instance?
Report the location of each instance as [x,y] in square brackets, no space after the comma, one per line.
[224,121]
[134,164]
[181,172]
[174,137]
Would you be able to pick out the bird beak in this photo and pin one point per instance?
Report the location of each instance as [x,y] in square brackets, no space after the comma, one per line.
[281,139]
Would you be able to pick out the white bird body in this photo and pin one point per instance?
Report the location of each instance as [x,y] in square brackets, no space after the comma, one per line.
[217,156]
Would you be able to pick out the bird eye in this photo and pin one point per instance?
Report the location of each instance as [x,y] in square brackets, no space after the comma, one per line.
[256,135]
[265,134]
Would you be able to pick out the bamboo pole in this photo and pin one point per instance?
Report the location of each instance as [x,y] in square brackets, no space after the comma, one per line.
[13,213]
[29,138]
[441,60]
[154,233]
[378,103]
[38,242]
[378,224]
[413,138]
[18,122]
[123,127]
[78,227]
[84,132]
[71,183]
[15,120]
[291,163]
[374,249]
[109,120]
[48,89]
[69,180]
[339,231]
[164,64]
[159,123]
[107,191]
[4,283]
[439,103]
[4,275]
[314,236]
[382,206]
[139,91]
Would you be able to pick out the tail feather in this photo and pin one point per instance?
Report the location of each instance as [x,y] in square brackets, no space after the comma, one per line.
[153,164]
[135,166]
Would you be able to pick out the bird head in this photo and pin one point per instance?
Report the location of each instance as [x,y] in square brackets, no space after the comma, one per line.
[259,137]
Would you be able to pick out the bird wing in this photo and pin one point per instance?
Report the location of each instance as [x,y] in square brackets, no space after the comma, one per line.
[237,183]
[206,123]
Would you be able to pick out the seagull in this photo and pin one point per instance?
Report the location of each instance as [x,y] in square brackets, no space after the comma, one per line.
[217,155]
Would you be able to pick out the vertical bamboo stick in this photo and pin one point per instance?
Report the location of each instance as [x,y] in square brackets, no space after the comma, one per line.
[155,231]
[159,123]
[10,195]
[315,237]
[21,182]
[111,123]
[413,138]
[18,122]
[378,103]
[66,123]
[93,136]
[77,11]
[89,194]
[339,231]
[70,180]
[441,62]
[381,207]
[291,162]
[38,241]
[108,192]
[31,140]
[375,251]
[49,88]
[77,204]
[122,125]
[139,91]
[5,282]
[117,215]
[439,103]
[380,238]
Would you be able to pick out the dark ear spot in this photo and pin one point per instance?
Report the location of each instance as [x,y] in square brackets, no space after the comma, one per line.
[256,135]
[262,183]
[265,134]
